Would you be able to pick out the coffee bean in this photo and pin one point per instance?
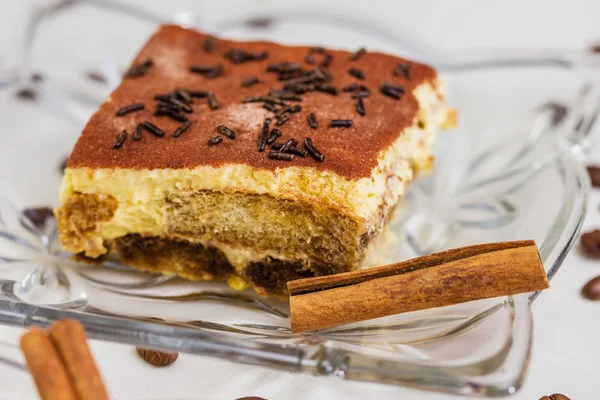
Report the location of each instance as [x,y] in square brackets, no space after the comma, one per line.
[251,398]
[555,396]
[590,242]
[591,290]
[594,173]
[157,358]
[28,94]
[38,216]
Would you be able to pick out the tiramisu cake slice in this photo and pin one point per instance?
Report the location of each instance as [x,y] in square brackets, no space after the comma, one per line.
[252,162]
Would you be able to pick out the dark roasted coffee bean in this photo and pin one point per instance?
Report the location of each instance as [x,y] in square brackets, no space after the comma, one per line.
[594,173]
[590,242]
[591,290]
[38,215]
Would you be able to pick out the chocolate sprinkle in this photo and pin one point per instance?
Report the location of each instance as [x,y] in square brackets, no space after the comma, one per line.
[184,107]
[270,107]
[340,123]
[398,88]
[166,97]
[350,88]
[128,109]
[312,121]
[202,69]
[282,120]
[297,151]
[357,73]
[277,66]
[284,110]
[215,140]
[208,71]
[160,111]
[277,146]
[120,140]
[277,155]
[215,73]
[249,81]
[296,88]
[290,68]
[358,54]
[266,99]
[287,145]
[361,94]
[212,102]
[139,69]
[403,69]
[252,99]
[225,131]
[261,56]
[326,89]
[289,97]
[295,76]
[153,129]
[309,59]
[321,75]
[182,128]
[239,56]
[263,136]
[184,95]
[137,134]
[360,107]
[199,93]
[390,92]
[275,134]
[169,105]
[312,150]
[210,44]
[327,61]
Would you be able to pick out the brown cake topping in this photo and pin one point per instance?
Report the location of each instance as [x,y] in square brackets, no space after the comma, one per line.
[180,74]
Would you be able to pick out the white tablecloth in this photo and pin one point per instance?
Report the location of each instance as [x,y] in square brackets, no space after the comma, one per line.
[566,354]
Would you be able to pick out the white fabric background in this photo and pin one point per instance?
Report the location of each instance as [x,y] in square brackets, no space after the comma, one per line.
[566,355]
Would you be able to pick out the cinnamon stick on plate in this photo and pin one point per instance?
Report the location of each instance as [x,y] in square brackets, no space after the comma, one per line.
[69,337]
[48,371]
[61,363]
[437,280]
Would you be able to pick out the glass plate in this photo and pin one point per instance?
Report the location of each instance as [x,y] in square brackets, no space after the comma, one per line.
[510,171]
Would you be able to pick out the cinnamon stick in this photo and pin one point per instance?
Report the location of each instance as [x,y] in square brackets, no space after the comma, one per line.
[437,280]
[45,366]
[69,337]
